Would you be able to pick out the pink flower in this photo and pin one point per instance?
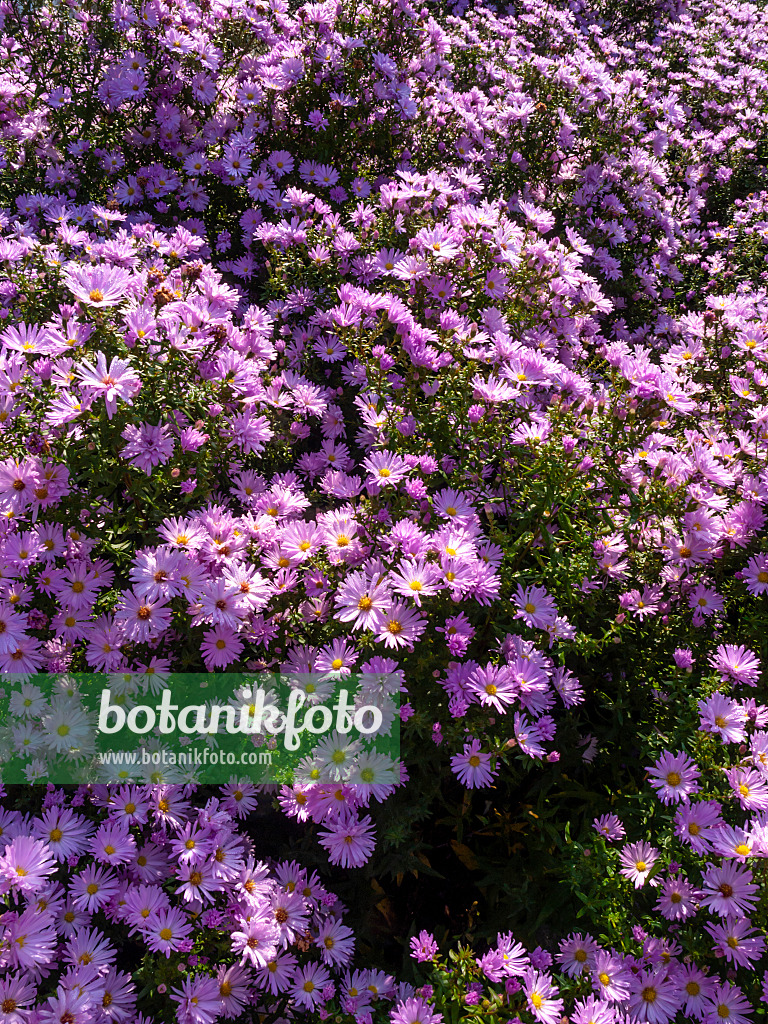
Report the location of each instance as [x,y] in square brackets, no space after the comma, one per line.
[349,842]
[674,776]
[415,1011]
[119,380]
[26,864]
[637,860]
[99,286]
[535,607]
[199,1000]
[220,647]
[755,575]
[473,767]
[148,445]
[423,946]
[736,663]
[142,619]
[728,890]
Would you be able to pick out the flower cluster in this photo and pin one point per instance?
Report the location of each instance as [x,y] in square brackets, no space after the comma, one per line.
[420,343]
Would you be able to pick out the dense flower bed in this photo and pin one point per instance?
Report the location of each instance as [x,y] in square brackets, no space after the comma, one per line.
[417,342]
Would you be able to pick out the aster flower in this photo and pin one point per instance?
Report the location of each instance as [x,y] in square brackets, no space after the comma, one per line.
[755,575]
[423,947]
[277,974]
[609,826]
[113,844]
[414,1010]
[16,997]
[694,824]
[400,626]
[750,788]
[493,685]
[610,978]
[307,985]
[721,715]
[637,860]
[31,939]
[220,647]
[577,954]
[674,776]
[535,607]
[542,993]
[336,942]
[141,618]
[678,899]
[349,841]
[385,469]
[736,663]
[364,600]
[736,941]
[26,864]
[148,445]
[99,286]
[169,929]
[593,1011]
[473,767]
[199,1000]
[654,996]
[93,888]
[726,1003]
[728,890]
[118,380]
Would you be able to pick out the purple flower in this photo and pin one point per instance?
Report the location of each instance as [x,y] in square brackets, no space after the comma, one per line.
[423,947]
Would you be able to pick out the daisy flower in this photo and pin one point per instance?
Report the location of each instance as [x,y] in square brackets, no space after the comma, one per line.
[727,1005]
[736,663]
[755,575]
[26,864]
[307,986]
[473,767]
[541,994]
[118,380]
[349,841]
[674,776]
[535,607]
[728,890]
[609,826]
[99,286]
[400,626]
[637,860]
[577,954]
